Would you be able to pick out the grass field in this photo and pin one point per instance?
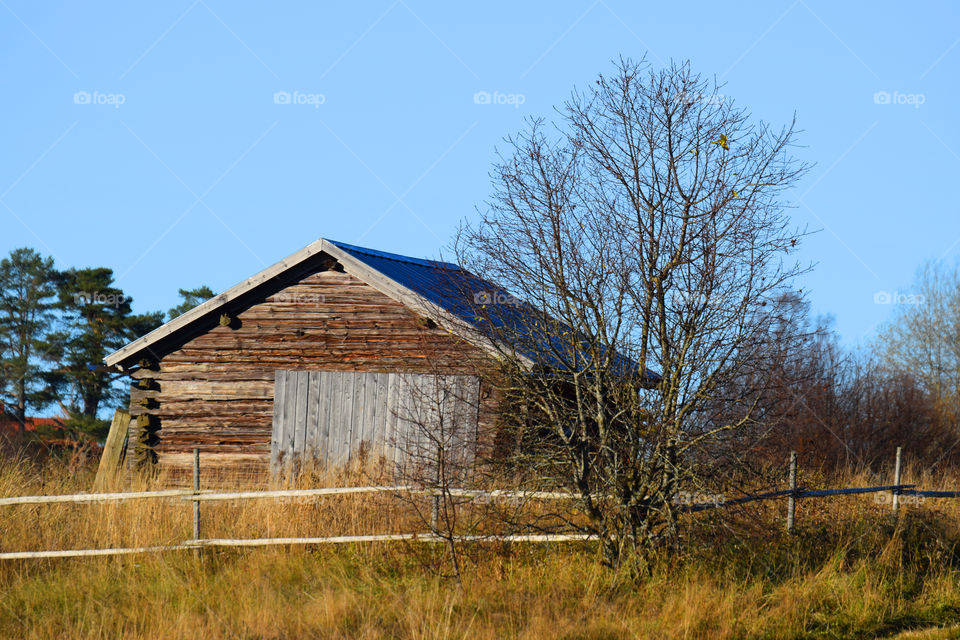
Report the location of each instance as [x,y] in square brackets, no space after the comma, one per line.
[850,571]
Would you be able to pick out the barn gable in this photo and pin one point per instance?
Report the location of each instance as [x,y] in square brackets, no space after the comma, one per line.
[421,285]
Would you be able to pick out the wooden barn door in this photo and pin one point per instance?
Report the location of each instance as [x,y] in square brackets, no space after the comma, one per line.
[326,417]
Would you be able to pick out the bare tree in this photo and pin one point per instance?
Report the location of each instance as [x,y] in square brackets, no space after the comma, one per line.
[645,229]
[436,442]
[923,337]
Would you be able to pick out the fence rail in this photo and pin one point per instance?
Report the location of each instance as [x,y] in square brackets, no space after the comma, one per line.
[197,496]
[79,498]
[208,495]
[265,542]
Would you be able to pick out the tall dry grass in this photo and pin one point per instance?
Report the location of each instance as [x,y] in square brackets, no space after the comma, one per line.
[849,571]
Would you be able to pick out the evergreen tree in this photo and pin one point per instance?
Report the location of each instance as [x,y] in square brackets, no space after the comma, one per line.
[27,302]
[96,319]
[191,298]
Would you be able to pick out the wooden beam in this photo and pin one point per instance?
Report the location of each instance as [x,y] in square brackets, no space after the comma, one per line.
[113,450]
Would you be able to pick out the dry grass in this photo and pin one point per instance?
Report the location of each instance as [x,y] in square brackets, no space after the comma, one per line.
[849,572]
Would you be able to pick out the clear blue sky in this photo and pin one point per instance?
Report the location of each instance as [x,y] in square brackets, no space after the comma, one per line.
[177,167]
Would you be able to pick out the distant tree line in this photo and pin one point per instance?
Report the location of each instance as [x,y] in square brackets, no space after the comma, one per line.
[56,326]
[851,407]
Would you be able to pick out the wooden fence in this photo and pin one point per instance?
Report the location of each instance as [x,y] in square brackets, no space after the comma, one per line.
[687,503]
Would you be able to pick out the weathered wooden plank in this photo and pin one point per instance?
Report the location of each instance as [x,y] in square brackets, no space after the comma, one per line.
[289,417]
[277,431]
[426,410]
[311,435]
[207,390]
[346,417]
[328,351]
[390,422]
[472,419]
[197,372]
[335,429]
[380,412]
[412,415]
[406,434]
[323,418]
[137,394]
[223,410]
[367,405]
[300,419]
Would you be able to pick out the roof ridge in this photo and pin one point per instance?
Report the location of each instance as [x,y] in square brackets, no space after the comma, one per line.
[394,256]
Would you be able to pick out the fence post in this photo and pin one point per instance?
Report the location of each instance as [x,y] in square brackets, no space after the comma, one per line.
[196,492]
[435,498]
[791,500]
[435,510]
[895,501]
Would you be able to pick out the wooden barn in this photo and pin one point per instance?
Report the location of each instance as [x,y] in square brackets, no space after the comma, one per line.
[312,357]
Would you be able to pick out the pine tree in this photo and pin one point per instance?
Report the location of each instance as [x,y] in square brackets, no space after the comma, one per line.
[27,302]
[191,298]
[96,319]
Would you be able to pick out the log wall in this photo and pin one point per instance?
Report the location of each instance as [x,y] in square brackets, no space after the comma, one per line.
[215,391]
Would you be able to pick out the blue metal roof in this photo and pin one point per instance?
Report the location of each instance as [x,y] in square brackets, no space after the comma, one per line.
[461,293]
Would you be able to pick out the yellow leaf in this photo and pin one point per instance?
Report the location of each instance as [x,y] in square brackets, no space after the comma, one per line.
[723,142]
